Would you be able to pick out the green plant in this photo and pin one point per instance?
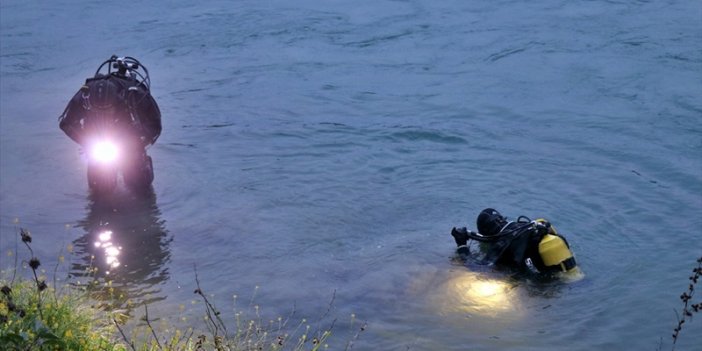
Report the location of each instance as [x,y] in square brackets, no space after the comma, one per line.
[33,316]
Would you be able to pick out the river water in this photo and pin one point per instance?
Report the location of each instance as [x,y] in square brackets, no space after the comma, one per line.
[319,150]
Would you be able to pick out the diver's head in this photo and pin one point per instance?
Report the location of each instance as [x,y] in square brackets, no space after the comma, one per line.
[490,222]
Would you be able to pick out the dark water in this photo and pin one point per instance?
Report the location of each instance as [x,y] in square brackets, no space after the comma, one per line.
[314,147]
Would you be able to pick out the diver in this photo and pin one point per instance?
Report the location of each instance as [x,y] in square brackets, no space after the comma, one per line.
[116,104]
[524,244]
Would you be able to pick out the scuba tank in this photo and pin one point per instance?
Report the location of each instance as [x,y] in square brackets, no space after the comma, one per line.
[554,250]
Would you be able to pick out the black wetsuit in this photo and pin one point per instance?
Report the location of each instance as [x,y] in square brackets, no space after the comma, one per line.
[133,112]
[517,245]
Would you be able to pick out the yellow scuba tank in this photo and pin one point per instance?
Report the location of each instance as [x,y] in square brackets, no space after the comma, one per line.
[554,250]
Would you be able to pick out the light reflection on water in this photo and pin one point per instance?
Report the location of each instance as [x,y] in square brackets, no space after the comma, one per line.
[125,241]
[111,251]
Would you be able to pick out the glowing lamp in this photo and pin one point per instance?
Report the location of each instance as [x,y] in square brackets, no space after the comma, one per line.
[104,151]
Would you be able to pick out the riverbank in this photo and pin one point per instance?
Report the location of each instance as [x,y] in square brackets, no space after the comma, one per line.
[35,314]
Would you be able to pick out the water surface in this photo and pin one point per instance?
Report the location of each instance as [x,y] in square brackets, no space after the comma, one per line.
[330,146]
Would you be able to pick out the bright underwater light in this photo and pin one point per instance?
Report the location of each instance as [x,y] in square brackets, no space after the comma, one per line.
[488,295]
[104,151]
[489,289]
[482,296]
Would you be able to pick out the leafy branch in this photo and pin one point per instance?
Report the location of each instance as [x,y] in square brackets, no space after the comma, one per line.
[688,307]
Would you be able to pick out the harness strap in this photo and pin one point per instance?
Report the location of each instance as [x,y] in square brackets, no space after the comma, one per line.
[85,95]
[568,264]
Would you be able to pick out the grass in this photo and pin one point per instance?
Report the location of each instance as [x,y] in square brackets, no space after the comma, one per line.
[46,320]
[34,315]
